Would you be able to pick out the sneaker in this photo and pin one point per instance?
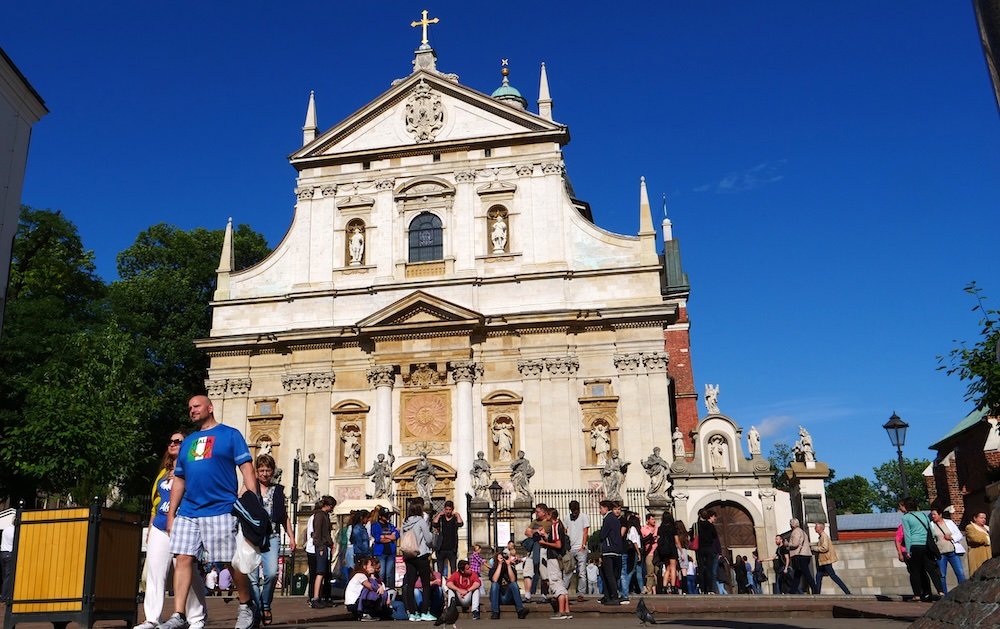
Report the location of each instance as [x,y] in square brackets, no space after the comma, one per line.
[413,617]
[247,617]
[556,617]
[367,618]
[174,622]
[149,624]
[496,615]
[566,617]
[521,613]
[428,617]
[475,614]
[624,601]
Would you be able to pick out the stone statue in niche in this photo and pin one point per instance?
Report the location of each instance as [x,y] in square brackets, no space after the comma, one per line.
[424,478]
[310,475]
[613,476]
[264,447]
[600,441]
[499,233]
[717,453]
[678,439]
[657,467]
[481,475]
[753,441]
[351,437]
[712,399]
[357,246]
[503,437]
[521,472]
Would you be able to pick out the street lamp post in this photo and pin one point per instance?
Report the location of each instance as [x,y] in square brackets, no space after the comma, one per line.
[896,428]
[496,490]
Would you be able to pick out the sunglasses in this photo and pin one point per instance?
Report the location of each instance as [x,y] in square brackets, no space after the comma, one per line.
[176,442]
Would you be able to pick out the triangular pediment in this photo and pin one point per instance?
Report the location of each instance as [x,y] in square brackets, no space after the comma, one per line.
[426,109]
[419,311]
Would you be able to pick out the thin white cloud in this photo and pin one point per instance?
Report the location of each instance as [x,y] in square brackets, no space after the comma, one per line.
[774,425]
[749,179]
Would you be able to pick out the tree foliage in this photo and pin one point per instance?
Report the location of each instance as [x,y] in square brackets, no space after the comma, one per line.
[166,282]
[53,295]
[781,456]
[978,363]
[80,428]
[887,486]
[854,494]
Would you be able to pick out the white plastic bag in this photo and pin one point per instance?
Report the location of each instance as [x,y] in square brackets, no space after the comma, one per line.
[247,557]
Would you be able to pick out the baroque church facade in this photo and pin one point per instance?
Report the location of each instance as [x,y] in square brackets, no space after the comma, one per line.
[442,292]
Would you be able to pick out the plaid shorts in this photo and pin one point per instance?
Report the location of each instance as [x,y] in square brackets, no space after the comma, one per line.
[216,534]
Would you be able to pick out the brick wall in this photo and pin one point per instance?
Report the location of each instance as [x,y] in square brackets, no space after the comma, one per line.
[677,342]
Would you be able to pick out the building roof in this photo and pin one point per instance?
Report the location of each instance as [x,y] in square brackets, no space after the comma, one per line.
[869,521]
[969,421]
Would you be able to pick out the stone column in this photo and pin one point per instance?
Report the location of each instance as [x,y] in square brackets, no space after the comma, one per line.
[523,513]
[681,507]
[480,516]
[464,373]
[382,377]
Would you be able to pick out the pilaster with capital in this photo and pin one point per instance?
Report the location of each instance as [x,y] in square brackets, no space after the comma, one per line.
[531,368]
[464,373]
[216,388]
[382,378]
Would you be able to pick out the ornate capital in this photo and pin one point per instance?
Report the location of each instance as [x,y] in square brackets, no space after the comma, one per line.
[385,185]
[465,176]
[628,363]
[216,388]
[328,191]
[381,376]
[531,368]
[304,194]
[323,380]
[563,365]
[466,370]
[524,170]
[655,361]
[552,168]
[293,382]
[239,386]
[681,495]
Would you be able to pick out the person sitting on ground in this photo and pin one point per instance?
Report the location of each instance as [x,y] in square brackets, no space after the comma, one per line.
[365,598]
[464,585]
[504,590]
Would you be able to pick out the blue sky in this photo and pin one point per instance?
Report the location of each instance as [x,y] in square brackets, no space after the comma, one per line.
[831,168]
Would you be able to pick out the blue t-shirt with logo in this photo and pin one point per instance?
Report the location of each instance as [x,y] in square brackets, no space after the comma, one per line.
[163,483]
[207,462]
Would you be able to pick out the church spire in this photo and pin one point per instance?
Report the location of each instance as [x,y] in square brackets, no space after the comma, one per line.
[647,235]
[544,100]
[309,129]
[227,263]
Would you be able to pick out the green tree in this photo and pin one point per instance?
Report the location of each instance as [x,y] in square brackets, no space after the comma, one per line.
[853,494]
[53,294]
[781,456]
[887,486]
[978,363]
[167,280]
[80,428]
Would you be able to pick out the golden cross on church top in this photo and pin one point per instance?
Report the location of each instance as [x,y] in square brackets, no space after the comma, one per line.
[424,22]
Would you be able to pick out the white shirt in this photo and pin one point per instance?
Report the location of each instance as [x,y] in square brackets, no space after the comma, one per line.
[310,544]
[353,590]
[575,529]
[7,540]
[956,535]
[211,579]
[633,536]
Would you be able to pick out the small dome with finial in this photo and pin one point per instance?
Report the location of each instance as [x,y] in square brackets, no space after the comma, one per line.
[507,92]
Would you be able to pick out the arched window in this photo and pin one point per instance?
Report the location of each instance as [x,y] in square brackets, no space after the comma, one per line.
[426,241]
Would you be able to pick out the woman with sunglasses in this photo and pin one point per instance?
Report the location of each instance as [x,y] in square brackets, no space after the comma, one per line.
[158,555]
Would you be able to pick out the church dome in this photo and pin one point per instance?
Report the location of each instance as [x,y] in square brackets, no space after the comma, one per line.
[507,92]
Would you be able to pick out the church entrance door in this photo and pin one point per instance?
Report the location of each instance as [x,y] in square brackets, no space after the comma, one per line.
[734,525]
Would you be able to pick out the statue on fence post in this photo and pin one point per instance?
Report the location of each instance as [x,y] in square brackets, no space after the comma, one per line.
[520,476]
[481,473]
[424,478]
[613,475]
[310,475]
[657,468]
[380,474]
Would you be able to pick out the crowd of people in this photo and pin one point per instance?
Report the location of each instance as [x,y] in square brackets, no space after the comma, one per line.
[195,526]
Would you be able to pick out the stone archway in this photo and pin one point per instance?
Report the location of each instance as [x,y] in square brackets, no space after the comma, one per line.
[734,525]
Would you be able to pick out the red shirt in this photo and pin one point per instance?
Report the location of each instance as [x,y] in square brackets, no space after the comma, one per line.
[462,582]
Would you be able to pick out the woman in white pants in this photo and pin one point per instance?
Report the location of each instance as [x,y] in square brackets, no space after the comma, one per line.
[158,555]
